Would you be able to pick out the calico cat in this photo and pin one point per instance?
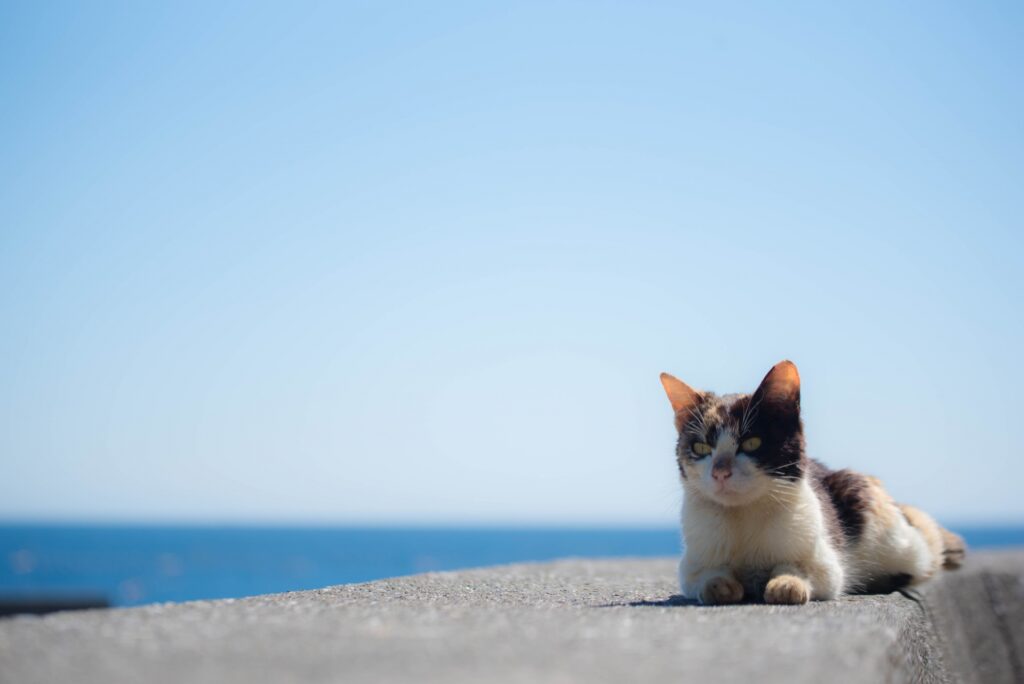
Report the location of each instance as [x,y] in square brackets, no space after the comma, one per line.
[761,519]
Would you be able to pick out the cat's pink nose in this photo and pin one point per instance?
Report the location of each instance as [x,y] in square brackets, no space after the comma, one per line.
[721,470]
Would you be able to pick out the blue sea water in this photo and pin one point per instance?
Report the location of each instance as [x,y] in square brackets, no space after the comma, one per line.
[130,565]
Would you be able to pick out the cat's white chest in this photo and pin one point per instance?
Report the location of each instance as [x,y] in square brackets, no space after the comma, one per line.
[751,538]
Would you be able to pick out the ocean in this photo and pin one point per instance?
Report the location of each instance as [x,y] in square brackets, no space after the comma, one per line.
[132,565]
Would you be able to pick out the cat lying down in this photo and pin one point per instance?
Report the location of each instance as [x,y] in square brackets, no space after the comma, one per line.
[761,519]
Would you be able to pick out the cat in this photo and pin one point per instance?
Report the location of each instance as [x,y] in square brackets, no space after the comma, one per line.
[761,520]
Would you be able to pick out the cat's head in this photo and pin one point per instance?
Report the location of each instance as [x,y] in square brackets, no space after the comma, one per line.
[735,449]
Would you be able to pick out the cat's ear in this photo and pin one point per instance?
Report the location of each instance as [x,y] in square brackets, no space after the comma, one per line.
[781,387]
[682,397]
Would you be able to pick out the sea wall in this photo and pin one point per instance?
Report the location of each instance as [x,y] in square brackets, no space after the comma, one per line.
[573,620]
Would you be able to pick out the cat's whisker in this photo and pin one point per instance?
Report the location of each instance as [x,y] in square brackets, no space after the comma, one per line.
[780,468]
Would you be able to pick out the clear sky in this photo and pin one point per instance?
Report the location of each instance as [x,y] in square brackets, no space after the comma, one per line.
[423,262]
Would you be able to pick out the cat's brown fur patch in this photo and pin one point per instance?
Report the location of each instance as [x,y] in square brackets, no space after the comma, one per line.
[880,504]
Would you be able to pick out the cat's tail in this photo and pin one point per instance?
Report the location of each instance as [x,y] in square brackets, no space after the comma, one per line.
[948,548]
[954,550]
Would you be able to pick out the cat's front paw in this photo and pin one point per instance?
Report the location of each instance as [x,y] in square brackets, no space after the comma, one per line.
[787,589]
[721,589]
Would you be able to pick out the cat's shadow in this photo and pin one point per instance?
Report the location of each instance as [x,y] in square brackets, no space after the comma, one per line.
[680,601]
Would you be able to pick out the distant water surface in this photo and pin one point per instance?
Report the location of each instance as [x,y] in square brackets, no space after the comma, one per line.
[130,565]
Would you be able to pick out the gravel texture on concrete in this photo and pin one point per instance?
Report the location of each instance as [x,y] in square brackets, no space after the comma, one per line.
[568,621]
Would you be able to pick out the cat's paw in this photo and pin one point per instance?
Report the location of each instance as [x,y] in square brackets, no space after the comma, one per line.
[787,589]
[721,589]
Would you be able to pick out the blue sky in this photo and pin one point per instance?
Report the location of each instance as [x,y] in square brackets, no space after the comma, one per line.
[423,262]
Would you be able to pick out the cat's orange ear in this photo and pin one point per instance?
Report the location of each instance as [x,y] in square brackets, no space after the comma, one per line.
[680,395]
[781,385]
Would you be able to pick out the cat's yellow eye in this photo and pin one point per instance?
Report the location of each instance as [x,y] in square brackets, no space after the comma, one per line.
[701,448]
[750,444]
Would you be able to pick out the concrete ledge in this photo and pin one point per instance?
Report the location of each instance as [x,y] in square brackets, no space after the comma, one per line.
[978,616]
[573,620]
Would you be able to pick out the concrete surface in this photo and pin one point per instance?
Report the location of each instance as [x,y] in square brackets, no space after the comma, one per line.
[568,621]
